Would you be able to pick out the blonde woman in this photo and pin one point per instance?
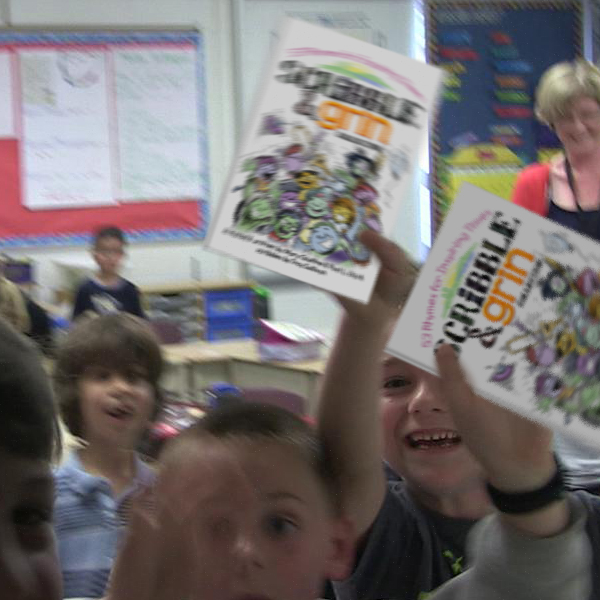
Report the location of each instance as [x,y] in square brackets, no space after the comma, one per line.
[567,189]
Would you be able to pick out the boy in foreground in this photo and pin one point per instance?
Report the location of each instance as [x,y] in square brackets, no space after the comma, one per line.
[29,439]
[245,508]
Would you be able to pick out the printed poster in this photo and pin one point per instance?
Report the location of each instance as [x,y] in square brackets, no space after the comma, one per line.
[486,131]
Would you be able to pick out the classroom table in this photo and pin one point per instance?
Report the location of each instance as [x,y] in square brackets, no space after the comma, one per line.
[193,366]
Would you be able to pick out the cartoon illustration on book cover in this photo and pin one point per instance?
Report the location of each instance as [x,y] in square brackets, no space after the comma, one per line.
[519,298]
[314,194]
[327,156]
[559,343]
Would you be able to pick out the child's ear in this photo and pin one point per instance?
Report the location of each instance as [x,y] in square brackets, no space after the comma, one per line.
[340,561]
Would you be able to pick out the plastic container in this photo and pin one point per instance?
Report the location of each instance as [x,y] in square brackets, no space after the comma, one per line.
[220,391]
[229,304]
[229,329]
[60,326]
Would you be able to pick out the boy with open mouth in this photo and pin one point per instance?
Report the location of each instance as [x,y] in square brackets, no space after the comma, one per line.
[106,375]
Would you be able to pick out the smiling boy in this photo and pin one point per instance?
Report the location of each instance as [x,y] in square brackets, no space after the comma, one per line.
[106,375]
[413,533]
[249,502]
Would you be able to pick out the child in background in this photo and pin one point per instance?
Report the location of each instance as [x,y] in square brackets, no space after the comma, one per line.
[29,438]
[107,373]
[107,291]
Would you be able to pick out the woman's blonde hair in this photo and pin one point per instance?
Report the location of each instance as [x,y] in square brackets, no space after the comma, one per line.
[561,84]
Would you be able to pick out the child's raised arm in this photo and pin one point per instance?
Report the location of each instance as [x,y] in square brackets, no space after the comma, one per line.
[539,547]
[516,453]
[348,414]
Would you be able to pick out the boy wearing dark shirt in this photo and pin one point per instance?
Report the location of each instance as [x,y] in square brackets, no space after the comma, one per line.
[412,533]
[107,291]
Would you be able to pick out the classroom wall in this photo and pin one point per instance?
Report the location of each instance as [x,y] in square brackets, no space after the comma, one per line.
[168,262]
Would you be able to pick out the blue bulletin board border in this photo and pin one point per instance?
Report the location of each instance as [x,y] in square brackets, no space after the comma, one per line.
[595,17]
[460,25]
[37,36]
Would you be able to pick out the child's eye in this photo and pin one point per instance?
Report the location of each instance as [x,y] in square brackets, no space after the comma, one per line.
[136,376]
[280,525]
[98,374]
[394,383]
[30,516]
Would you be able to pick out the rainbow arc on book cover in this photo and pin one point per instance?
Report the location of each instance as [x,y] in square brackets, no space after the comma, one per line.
[332,143]
[518,297]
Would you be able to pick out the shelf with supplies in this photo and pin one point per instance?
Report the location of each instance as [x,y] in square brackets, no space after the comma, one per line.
[201,310]
[191,367]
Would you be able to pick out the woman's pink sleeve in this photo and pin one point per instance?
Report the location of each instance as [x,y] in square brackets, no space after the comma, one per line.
[530,189]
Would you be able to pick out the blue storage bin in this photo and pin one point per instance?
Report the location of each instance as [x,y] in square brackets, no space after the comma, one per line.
[221,304]
[229,329]
[18,271]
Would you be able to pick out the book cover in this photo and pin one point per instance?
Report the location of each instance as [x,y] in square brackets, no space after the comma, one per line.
[329,151]
[518,297]
[282,341]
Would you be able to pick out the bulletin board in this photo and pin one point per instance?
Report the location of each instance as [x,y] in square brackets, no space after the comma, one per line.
[494,54]
[102,127]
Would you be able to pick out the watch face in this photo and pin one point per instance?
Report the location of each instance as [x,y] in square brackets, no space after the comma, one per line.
[79,69]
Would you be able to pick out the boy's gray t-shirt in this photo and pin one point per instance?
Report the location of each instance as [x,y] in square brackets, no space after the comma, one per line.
[507,564]
[410,551]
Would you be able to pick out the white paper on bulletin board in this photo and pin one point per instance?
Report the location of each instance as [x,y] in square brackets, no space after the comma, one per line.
[155,93]
[65,140]
[106,126]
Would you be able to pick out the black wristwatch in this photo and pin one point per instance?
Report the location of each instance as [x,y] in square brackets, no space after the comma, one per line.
[524,502]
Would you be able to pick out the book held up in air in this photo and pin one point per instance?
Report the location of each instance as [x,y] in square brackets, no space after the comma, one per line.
[518,297]
[329,151]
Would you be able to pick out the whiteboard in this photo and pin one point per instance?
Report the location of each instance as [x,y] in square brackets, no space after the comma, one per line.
[380,22]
